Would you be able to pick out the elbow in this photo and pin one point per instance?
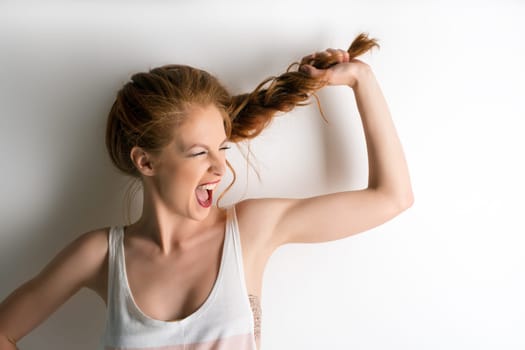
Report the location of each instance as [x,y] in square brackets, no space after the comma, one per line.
[405,200]
[409,201]
[398,201]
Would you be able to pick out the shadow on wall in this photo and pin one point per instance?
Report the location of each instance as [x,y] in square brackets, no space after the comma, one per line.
[87,194]
[344,147]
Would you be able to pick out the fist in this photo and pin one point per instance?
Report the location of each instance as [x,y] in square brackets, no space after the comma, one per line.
[333,66]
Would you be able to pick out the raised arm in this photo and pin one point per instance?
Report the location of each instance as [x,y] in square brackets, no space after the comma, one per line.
[78,265]
[342,214]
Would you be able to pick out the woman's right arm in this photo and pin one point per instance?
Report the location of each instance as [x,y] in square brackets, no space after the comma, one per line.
[80,264]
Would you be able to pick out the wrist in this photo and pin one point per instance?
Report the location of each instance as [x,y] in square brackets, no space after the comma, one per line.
[362,73]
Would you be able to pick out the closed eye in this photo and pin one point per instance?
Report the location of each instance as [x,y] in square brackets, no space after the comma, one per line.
[201,153]
[198,154]
[204,152]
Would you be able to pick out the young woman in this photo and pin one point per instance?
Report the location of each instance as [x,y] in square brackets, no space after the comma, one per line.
[187,274]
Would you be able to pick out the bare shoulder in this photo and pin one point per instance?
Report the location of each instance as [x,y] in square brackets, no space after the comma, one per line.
[261,212]
[83,260]
[258,218]
[93,243]
[79,264]
[92,248]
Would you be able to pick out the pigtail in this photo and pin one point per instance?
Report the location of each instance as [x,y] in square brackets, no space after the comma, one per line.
[251,113]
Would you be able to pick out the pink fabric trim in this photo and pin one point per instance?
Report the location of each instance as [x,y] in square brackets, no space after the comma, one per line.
[237,342]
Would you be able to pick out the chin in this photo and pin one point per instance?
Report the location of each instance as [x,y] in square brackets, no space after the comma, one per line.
[199,213]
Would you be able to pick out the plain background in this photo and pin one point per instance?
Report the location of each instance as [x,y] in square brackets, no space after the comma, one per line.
[446,274]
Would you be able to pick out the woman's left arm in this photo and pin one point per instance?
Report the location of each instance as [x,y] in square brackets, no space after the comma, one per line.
[338,215]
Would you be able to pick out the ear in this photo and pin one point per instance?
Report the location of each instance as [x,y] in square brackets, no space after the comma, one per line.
[143,161]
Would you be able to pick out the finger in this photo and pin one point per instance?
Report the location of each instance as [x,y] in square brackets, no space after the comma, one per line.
[323,54]
[346,56]
[317,56]
[324,59]
[308,59]
[337,54]
[312,71]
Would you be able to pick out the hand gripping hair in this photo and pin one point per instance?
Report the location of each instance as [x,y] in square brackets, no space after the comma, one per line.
[251,113]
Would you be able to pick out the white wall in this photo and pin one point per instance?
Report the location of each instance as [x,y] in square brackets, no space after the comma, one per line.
[447,274]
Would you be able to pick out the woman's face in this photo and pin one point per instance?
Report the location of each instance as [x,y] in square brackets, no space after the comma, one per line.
[191,166]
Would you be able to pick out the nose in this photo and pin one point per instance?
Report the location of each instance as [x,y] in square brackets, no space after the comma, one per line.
[218,164]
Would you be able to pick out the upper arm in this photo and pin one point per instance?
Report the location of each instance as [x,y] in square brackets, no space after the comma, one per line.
[322,218]
[76,266]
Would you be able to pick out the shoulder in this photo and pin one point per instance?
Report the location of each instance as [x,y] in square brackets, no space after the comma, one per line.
[261,211]
[258,218]
[79,264]
[272,208]
[86,256]
[92,243]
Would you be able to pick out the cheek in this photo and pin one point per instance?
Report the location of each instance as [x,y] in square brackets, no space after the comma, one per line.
[192,173]
[184,179]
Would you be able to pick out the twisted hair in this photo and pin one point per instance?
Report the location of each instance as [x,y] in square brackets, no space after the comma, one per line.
[149,107]
[251,113]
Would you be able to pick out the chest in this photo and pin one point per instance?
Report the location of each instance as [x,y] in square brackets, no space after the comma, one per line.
[172,288]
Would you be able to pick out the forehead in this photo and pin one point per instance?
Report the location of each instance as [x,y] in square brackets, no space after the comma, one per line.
[202,125]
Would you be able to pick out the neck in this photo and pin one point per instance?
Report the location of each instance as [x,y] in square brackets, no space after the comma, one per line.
[167,229]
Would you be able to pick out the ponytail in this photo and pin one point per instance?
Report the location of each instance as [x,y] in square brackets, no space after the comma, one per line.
[251,113]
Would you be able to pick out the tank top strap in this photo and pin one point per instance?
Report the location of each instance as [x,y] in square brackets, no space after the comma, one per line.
[254,300]
[233,228]
[114,248]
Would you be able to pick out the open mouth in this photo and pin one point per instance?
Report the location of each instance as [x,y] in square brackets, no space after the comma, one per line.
[204,194]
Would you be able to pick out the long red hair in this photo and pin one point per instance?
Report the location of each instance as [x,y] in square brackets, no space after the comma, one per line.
[151,104]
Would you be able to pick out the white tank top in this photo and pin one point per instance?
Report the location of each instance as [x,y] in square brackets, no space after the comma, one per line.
[224,321]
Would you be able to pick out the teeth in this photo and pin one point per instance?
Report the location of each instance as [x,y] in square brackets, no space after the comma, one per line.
[207,187]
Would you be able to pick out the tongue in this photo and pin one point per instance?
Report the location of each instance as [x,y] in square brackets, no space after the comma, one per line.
[202,195]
